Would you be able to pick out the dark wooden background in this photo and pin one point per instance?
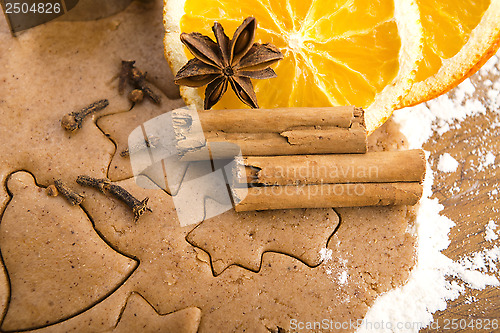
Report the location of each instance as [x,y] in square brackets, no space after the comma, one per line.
[468,200]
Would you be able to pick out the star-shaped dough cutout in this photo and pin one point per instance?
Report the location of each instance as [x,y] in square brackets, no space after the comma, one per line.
[241,238]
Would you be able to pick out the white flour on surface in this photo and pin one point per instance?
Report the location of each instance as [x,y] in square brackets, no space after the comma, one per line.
[490,234]
[447,163]
[342,275]
[437,278]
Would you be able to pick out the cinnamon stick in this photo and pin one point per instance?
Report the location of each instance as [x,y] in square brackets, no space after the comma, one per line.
[372,167]
[327,195]
[279,119]
[286,131]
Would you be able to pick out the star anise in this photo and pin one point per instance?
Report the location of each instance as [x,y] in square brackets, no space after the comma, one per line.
[234,60]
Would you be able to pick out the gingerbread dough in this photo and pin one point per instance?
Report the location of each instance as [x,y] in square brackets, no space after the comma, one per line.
[253,271]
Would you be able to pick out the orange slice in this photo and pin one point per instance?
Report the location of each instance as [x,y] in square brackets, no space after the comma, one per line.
[460,36]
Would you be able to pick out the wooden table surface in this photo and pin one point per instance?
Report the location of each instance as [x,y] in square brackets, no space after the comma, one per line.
[469,200]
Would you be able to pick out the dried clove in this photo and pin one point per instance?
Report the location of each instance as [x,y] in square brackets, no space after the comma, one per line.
[138,79]
[97,183]
[138,207]
[136,96]
[73,197]
[52,191]
[151,142]
[125,72]
[73,121]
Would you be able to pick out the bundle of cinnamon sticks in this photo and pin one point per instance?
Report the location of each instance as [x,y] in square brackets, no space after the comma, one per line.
[271,132]
[302,158]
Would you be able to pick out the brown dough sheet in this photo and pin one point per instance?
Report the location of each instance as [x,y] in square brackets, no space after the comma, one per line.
[259,270]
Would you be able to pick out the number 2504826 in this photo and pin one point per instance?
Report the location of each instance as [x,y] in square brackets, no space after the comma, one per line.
[35,8]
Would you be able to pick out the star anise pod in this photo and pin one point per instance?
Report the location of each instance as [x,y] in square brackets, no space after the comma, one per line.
[234,60]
